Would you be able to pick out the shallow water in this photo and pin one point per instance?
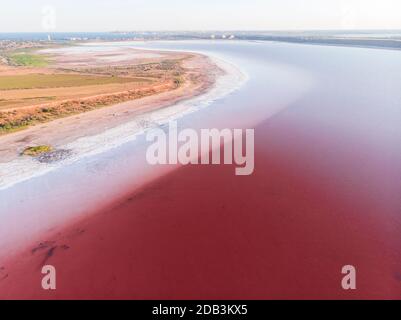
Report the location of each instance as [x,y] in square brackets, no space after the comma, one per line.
[348,99]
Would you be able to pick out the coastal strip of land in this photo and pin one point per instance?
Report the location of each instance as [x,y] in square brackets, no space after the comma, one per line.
[83,92]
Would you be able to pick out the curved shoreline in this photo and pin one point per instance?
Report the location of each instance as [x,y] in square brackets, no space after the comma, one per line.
[326,176]
[34,219]
[94,132]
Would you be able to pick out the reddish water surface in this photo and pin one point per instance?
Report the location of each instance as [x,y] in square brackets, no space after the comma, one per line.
[325,194]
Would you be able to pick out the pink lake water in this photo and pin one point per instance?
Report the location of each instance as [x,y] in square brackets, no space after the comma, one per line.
[325,192]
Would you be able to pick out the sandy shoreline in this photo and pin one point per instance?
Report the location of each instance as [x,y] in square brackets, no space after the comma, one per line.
[92,133]
[200,77]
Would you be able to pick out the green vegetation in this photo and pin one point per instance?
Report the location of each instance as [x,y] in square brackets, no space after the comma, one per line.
[45,81]
[10,128]
[66,82]
[28,60]
[36,151]
[11,121]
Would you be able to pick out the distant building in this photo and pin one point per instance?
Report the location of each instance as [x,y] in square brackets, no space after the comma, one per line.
[232,37]
[49,38]
[213,36]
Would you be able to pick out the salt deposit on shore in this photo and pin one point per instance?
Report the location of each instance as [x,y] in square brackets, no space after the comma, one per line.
[228,78]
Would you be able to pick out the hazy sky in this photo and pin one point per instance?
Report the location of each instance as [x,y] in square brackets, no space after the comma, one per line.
[108,15]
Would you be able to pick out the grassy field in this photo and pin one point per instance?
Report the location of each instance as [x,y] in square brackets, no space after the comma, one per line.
[28,60]
[15,120]
[44,81]
[30,96]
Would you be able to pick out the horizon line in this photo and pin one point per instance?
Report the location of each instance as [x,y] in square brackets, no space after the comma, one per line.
[207,30]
